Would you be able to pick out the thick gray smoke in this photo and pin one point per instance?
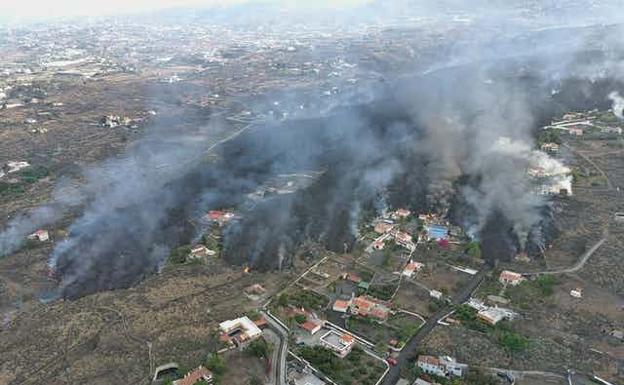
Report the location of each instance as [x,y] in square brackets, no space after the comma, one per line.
[484,131]
[65,197]
[124,233]
[460,121]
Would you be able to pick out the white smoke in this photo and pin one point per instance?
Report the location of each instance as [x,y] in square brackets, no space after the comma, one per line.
[618,104]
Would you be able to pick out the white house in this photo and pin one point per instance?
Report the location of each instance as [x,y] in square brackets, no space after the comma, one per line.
[239,331]
[412,268]
[40,235]
[341,345]
[577,293]
[442,366]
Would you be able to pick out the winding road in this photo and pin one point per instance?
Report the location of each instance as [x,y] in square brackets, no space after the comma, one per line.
[580,264]
[407,355]
[278,374]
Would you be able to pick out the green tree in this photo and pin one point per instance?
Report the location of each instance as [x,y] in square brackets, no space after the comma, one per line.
[381,347]
[465,313]
[179,254]
[216,364]
[33,174]
[474,249]
[407,330]
[512,341]
[282,300]
[546,284]
[258,348]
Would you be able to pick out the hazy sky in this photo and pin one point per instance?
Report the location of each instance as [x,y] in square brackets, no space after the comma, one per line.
[59,8]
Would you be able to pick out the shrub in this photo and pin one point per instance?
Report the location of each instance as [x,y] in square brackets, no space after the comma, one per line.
[33,174]
[474,249]
[282,300]
[512,341]
[179,254]
[465,313]
[11,189]
[307,300]
[216,364]
[258,348]
[546,284]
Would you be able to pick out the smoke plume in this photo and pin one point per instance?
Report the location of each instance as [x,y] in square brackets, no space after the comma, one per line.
[618,104]
[455,124]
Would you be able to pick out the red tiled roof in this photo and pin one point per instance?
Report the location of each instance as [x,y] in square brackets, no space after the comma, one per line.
[510,276]
[340,304]
[309,326]
[215,214]
[383,227]
[401,236]
[363,304]
[194,376]
[431,360]
[261,322]
[353,277]
[379,313]
[347,338]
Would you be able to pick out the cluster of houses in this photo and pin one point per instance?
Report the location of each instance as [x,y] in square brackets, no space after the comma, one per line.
[363,306]
[339,343]
[575,124]
[387,227]
[388,231]
[435,229]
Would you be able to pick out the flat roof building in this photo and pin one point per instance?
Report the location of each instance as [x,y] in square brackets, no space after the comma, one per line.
[341,345]
[239,331]
[437,232]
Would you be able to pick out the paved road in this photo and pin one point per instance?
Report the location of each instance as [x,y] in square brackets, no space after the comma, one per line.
[407,355]
[279,363]
[579,265]
[275,340]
